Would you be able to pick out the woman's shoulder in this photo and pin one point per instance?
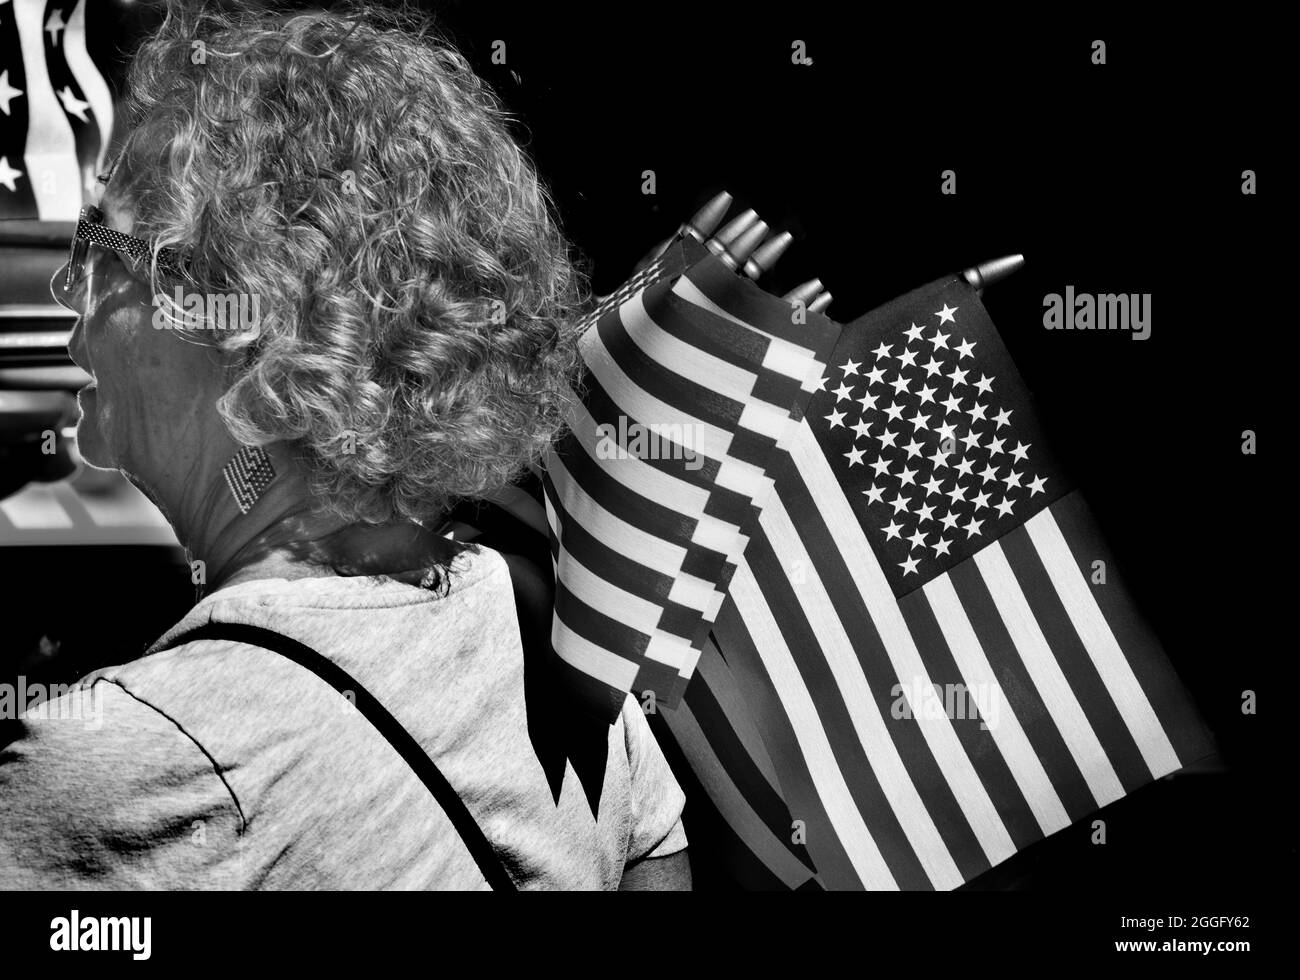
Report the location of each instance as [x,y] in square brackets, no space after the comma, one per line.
[90,775]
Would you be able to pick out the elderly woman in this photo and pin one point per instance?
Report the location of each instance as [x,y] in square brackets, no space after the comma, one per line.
[358,719]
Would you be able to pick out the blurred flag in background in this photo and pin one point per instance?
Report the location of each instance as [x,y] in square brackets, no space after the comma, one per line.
[56,110]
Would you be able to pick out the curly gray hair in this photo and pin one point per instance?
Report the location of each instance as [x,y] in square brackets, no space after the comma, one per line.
[418,303]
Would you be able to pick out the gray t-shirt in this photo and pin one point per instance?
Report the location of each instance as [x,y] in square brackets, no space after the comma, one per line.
[222,765]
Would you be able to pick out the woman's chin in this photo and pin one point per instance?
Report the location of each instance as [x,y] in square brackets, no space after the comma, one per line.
[92,453]
[90,444]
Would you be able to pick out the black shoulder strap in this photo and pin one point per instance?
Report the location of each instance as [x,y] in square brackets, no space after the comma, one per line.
[379,716]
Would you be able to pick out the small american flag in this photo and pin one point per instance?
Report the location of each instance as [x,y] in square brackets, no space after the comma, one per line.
[695,377]
[926,626]
[56,110]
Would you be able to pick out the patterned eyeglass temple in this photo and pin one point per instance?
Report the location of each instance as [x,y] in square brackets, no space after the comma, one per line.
[91,230]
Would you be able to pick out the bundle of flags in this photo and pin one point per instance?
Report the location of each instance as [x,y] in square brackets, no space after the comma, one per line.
[695,381]
[867,614]
[56,110]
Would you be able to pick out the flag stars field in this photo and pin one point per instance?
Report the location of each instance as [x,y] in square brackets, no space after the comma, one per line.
[959,437]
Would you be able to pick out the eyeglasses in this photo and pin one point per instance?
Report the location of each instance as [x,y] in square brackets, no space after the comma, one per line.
[90,231]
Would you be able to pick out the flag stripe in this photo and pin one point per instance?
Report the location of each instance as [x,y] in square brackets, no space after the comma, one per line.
[1076,665]
[657,560]
[839,724]
[732,804]
[1093,629]
[784,354]
[596,593]
[757,310]
[715,335]
[765,704]
[20,201]
[51,153]
[1156,674]
[725,501]
[634,473]
[88,78]
[801,709]
[608,668]
[884,754]
[637,403]
[980,742]
[1012,742]
[85,132]
[1019,691]
[603,410]
[600,482]
[576,542]
[688,359]
[718,676]
[760,796]
[716,406]
[1046,673]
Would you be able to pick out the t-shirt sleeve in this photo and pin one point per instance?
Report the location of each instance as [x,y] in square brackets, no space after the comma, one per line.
[100,790]
[657,799]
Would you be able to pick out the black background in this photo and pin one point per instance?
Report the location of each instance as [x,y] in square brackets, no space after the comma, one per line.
[1123,177]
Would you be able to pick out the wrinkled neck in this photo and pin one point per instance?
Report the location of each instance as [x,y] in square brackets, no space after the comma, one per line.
[287,534]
